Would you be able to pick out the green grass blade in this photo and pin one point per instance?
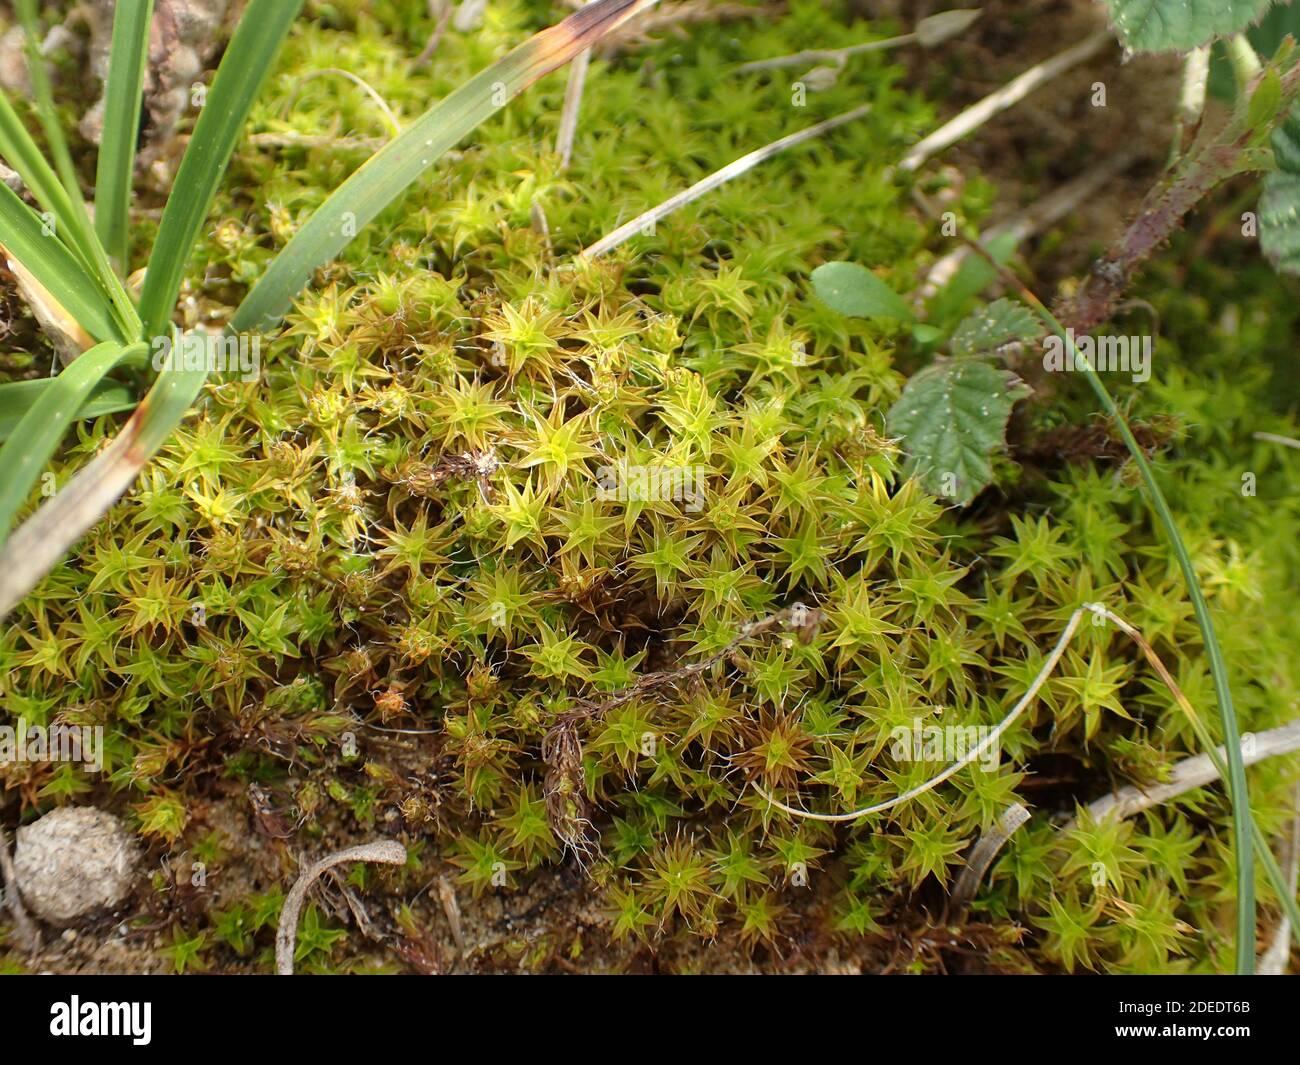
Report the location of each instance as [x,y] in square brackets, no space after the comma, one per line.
[71,224]
[47,419]
[106,397]
[1243,822]
[82,232]
[38,545]
[392,169]
[123,96]
[26,239]
[21,152]
[43,97]
[240,76]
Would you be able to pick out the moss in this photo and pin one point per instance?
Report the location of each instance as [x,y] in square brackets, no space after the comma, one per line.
[405,523]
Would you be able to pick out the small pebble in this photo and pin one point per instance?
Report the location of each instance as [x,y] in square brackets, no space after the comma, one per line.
[73,862]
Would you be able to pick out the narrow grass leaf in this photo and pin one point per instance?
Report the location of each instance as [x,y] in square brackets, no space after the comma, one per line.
[38,434]
[106,397]
[21,152]
[82,232]
[43,100]
[25,237]
[38,545]
[123,96]
[392,169]
[239,78]
[952,419]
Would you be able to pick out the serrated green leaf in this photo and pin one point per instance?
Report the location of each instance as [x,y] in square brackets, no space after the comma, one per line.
[1181,25]
[1001,322]
[855,291]
[1279,204]
[951,418]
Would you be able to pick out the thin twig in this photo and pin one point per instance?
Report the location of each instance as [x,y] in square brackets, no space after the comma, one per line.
[25,930]
[1037,216]
[819,55]
[1274,960]
[1194,772]
[1273,438]
[929,33]
[732,170]
[1008,96]
[572,105]
[435,38]
[387,851]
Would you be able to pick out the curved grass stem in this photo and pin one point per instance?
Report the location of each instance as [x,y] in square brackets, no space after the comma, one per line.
[1243,825]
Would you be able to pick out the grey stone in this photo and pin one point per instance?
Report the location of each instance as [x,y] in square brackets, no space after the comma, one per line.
[74,862]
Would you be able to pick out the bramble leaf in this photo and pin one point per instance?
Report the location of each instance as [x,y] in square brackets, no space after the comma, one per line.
[1181,25]
[951,418]
[1001,322]
[1279,204]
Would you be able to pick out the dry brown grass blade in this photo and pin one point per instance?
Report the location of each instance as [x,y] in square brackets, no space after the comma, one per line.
[64,331]
[983,853]
[1191,773]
